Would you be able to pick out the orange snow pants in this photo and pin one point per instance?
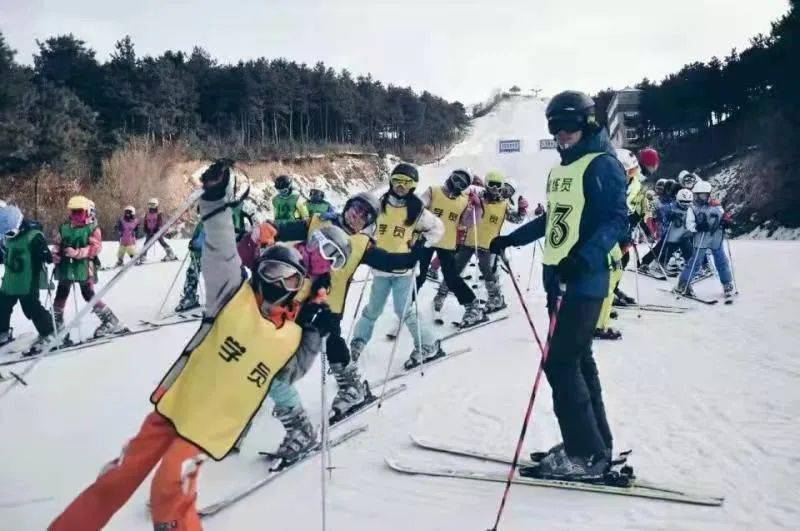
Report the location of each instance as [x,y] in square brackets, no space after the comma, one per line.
[172,494]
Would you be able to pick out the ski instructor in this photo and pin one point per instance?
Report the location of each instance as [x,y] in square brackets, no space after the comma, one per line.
[586,217]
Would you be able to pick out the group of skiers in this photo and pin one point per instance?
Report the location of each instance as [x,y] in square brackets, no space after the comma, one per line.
[276,292]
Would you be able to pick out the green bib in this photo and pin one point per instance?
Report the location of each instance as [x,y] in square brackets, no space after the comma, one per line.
[18,278]
[75,237]
[318,208]
[565,202]
[284,207]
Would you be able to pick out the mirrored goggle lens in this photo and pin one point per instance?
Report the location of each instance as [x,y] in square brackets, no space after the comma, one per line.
[494,184]
[402,180]
[459,181]
[569,125]
[329,250]
[12,233]
[275,272]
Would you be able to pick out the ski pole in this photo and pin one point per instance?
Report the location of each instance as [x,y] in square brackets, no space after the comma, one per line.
[324,448]
[416,309]
[544,350]
[733,274]
[396,339]
[694,263]
[653,251]
[51,301]
[75,303]
[530,274]
[172,285]
[358,306]
[636,282]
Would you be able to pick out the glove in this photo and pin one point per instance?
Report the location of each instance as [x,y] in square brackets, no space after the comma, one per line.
[337,350]
[70,252]
[322,282]
[522,206]
[675,216]
[499,244]
[215,182]
[571,266]
[727,220]
[316,316]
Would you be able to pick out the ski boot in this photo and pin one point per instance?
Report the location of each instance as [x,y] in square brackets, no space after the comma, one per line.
[495,302]
[352,390]
[58,317]
[186,304]
[684,288]
[627,299]
[644,269]
[556,451]
[438,301]
[109,323]
[356,348]
[473,314]
[301,436]
[41,343]
[6,337]
[607,333]
[170,257]
[423,355]
[613,314]
[729,289]
[119,262]
[570,468]
[433,274]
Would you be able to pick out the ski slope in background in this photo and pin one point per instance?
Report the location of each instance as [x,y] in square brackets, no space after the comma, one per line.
[708,400]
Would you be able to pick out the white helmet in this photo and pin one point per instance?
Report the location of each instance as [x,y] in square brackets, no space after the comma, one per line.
[152,203]
[687,179]
[684,197]
[131,209]
[509,188]
[702,187]
[628,160]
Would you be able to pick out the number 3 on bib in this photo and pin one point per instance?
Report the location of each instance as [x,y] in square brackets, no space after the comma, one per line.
[559,230]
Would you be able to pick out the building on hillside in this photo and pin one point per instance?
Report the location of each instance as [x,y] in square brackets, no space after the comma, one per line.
[624,119]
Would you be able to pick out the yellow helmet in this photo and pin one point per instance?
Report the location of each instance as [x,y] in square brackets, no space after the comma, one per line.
[494,179]
[79,202]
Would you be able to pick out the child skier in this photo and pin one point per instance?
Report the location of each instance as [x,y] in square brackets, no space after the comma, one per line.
[127,231]
[287,205]
[496,209]
[402,216]
[454,208]
[75,248]
[25,255]
[317,203]
[253,329]
[153,221]
[706,222]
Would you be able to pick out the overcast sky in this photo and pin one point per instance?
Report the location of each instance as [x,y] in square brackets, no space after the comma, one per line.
[457,49]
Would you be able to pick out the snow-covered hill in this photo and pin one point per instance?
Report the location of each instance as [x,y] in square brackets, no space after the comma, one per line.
[708,399]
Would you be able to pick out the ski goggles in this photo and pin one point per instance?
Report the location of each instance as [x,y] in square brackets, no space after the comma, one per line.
[403,180]
[12,233]
[328,249]
[316,195]
[569,124]
[275,272]
[497,185]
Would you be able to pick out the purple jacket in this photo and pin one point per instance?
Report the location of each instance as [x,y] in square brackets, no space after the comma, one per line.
[127,230]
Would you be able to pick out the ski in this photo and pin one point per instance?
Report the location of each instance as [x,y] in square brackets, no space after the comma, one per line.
[635,489]
[20,357]
[654,276]
[471,328]
[695,298]
[658,309]
[422,366]
[369,401]
[243,492]
[18,344]
[173,319]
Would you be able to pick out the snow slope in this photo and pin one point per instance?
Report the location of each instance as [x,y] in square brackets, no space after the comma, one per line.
[708,399]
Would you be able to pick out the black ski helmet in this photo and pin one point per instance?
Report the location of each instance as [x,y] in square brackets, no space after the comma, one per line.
[283,182]
[458,181]
[316,195]
[671,187]
[571,106]
[370,204]
[278,273]
[406,169]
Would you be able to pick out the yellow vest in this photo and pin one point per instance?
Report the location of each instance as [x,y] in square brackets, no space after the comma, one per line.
[393,235]
[227,376]
[494,215]
[565,204]
[340,278]
[449,211]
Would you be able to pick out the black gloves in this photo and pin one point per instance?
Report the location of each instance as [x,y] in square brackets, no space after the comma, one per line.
[337,351]
[675,216]
[316,316]
[571,266]
[321,282]
[701,223]
[499,244]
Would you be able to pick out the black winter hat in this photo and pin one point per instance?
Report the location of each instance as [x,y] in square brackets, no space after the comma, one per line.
[406,169]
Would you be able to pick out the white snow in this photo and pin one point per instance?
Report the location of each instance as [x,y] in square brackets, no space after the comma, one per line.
[708,400]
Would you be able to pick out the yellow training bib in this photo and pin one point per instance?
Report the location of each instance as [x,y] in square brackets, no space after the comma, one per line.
[494,215]
[449,211]
[227,376]
[393,235]
[565,203]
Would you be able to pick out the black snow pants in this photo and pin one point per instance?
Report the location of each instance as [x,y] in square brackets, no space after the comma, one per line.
[450,272]
[31,307]
[572,373]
